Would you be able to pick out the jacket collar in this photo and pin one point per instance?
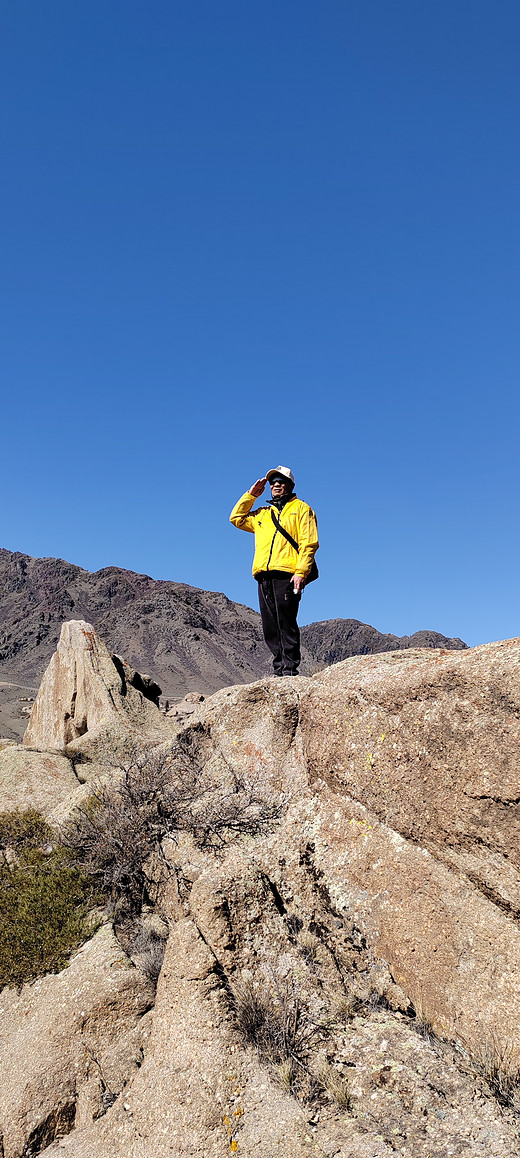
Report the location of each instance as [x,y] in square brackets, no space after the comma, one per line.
[282,502]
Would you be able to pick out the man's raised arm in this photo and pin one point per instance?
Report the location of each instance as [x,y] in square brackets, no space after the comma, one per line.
[240,516]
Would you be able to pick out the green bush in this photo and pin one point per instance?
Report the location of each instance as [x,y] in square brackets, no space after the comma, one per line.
[44,900]
[23,828]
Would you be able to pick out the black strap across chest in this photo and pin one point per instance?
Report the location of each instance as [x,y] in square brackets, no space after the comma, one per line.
[283,531]
[313,573]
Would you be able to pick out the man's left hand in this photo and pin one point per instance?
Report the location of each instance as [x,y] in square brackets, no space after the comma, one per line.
[297,582]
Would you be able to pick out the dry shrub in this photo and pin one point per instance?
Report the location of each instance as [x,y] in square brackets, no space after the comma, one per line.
[117,835]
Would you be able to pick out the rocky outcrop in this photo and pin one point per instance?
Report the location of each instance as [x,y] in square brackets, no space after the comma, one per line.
[70,1043]
[200,1088]
[92,709]
[202,1091]
[89,699]
[380,912]
[185,707]
[408,806]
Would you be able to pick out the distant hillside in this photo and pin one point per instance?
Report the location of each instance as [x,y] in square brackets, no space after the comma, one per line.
[333,640]
[187,638]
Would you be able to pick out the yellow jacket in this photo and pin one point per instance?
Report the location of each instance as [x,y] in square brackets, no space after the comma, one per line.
[272,551]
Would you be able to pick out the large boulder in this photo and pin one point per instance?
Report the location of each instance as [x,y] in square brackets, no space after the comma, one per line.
[202,1091]
[32,779]
[70,1042]
[389,886]
[428,742]
[405,782]
[384,897]
[90,702]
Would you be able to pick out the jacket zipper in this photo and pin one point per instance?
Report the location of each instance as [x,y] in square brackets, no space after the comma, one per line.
[273,539]
[272,545]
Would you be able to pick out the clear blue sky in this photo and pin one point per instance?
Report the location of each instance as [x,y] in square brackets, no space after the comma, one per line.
[238,234]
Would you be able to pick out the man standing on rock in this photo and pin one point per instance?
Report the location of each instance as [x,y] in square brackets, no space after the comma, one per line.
[286,541]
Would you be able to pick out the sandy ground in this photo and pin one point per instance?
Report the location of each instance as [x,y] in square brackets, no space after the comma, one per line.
[14,697]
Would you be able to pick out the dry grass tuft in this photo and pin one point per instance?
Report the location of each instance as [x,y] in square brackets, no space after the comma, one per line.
[147,950]
[334,1085]
[273,1018]
[421,1022]
[344,1007]
[309,947]
[498,1063]
[286,1074]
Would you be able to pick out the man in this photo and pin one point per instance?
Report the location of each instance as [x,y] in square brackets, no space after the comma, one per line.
[286,541]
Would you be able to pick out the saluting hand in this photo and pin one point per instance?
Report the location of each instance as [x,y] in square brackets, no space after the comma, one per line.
[258,487]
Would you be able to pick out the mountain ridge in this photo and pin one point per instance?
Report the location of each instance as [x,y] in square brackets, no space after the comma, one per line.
[187,638]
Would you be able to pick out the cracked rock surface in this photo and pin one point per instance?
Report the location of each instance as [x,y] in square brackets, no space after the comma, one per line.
[375,921]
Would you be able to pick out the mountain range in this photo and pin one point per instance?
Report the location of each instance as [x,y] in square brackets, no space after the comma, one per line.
[188,639]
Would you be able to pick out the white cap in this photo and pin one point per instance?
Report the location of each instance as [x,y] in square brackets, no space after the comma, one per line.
[283,470]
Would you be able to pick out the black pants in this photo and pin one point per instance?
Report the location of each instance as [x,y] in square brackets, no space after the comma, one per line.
[279,609]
